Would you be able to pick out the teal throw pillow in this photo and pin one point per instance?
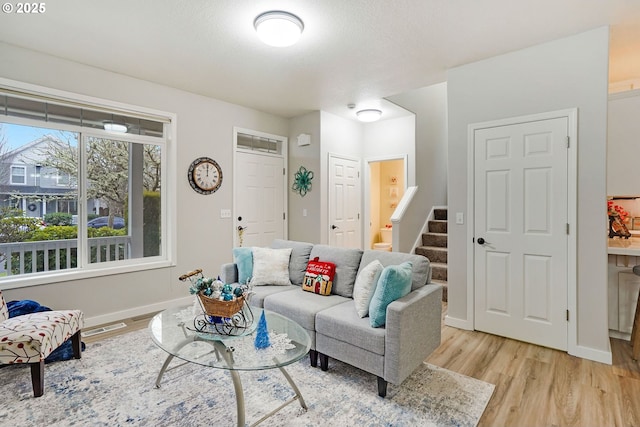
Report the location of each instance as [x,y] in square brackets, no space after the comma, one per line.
[394,283]
[243,257]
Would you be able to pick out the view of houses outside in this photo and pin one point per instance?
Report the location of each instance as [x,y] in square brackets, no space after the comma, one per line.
[39,199]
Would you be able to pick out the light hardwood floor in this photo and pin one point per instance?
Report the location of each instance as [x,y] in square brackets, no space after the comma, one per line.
[538,386]
[535,386]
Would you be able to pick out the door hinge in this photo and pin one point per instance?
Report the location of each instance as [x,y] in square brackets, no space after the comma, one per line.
[284,171]
[567,228]
[284,216]
[568,141]
[358,216]
[567,315]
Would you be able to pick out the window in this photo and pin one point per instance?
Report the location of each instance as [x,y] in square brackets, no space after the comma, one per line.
[82,198]
[18,175]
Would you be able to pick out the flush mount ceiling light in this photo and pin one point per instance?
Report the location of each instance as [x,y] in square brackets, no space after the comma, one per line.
[369,115]
[278,28]
[115,127]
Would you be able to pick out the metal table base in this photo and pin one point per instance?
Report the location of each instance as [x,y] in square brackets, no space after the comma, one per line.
[221,349]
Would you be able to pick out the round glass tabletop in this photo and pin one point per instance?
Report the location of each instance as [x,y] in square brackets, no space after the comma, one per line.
[173,330]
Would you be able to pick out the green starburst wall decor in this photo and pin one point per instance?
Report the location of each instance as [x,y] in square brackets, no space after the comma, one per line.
[302,181]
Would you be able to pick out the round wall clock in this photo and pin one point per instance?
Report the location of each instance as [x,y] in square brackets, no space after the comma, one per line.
[205,175]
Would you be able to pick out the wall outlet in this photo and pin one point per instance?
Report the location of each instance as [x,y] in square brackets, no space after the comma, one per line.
[304,212]
[459,218]
[225,213]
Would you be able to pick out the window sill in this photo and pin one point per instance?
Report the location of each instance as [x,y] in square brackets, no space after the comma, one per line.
[38,279]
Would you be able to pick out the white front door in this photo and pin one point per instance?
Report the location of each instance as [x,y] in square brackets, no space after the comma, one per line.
[520,227]
[344,202]
[259,199]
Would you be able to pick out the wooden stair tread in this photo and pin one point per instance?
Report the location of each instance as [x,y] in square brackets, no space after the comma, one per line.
[438,265]
[433,248]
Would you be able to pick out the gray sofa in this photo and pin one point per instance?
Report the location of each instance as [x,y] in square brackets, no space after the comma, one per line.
[392,352]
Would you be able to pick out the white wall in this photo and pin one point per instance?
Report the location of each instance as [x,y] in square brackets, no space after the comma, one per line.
[393,138]
[567,73]
[429,104]
[430,107]
[338,136]
[305,228]
[205,128]
[623,149]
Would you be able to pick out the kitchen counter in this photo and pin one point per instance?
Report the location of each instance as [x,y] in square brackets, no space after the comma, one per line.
[618,246]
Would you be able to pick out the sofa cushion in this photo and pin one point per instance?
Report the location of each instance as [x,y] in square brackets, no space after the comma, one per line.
[301,306]
[299,258]
[271,266]
[243,258]
[259,293]
[365,286]
[346,261]
[421,274]
[394,283]
[341,322]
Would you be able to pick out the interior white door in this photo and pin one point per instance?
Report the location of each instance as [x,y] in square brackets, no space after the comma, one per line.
[344,202]
[520,227]
[259,194]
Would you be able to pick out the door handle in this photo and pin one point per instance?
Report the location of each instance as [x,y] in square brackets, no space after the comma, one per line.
[333,227]
[481,241]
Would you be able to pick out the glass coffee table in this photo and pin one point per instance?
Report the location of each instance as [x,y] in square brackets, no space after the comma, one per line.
[174,331]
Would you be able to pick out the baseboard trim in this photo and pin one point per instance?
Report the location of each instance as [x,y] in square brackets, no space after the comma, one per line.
[458,323]
[619,335]
[118,316]
[593,354]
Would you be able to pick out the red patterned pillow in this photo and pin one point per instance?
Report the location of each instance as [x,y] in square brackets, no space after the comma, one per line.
[319,277]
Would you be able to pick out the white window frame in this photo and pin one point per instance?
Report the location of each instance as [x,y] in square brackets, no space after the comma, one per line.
[59,176]
[168,190]
[24,175]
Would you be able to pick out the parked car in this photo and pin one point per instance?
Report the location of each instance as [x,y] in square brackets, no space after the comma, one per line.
[103,221]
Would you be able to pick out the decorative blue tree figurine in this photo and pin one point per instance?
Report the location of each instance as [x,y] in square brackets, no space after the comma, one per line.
[262,334]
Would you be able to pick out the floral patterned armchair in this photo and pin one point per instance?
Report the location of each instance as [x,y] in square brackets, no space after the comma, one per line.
[30,338]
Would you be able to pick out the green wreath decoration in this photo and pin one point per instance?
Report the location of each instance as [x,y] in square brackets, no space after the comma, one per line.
[302,181]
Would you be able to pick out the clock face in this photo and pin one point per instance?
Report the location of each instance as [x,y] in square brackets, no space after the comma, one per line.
[205,175]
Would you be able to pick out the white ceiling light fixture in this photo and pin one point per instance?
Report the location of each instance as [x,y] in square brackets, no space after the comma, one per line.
[278,28]
[369,115]
[115,127]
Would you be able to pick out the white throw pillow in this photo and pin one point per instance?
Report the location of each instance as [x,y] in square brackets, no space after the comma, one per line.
[365,286]
[271,266]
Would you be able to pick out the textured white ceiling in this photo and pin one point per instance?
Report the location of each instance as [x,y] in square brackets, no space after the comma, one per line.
[352,51]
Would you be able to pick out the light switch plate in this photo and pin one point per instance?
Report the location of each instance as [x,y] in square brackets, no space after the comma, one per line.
[459,218]
[225,213]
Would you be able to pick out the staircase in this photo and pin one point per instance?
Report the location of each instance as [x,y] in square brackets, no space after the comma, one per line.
[434,247]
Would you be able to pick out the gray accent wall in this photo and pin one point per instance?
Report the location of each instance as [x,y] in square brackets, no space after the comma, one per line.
[568,73]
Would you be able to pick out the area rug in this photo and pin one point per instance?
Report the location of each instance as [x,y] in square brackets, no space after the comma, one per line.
[114,385]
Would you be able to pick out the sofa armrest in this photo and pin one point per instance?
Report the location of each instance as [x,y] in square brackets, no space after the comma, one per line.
[413,331]
[229,273]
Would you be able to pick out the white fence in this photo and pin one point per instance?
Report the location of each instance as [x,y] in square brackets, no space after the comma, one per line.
[49,255]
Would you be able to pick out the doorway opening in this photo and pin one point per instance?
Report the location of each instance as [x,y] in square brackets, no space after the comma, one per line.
[386,183]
